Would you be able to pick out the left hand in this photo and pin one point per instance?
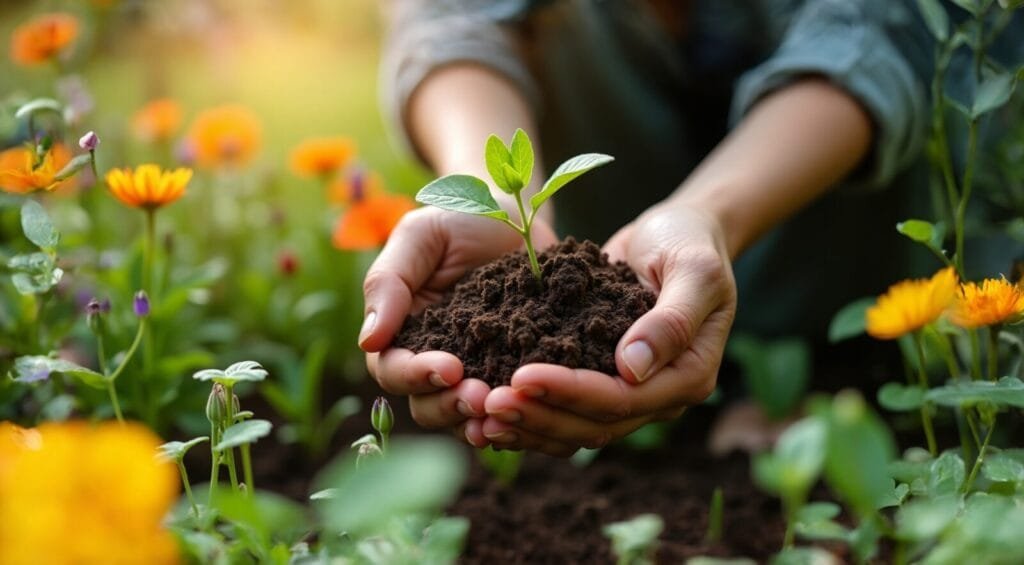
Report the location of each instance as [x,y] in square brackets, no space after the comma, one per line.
[667,360]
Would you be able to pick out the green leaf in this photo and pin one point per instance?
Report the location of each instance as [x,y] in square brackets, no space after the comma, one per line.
[176,450]
[270,517]
[1002,468]
[817,511]
[35,368]
[38,105]
[800,453]
[244,371]
[1011,4]
[76,164]
[1008,391]
[503,465]
[566,172]
[850,320]
[935,18]
[515,183]
[803,556]
[242,433]
[992,93]
[38,228]
[522,156]
[969,5]
[925,519]
[946,474]
[776,371]
[858,440]
[900,398]
[461,193]
[35,273]
[917,230]
[896,497]
[420,475]
[496,156]
[634,540]
[325,494]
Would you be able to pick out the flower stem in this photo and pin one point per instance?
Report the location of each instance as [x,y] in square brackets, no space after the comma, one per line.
[214,459]
[993,352]
[131,350]
[926,417]
[114,402]
[975,355]
[965,195]
[250,482]
[534,265]
[229,420]
[188,488]
[981,457]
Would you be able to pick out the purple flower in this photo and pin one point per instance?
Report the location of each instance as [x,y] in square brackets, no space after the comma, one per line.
[141,304]
[90,141]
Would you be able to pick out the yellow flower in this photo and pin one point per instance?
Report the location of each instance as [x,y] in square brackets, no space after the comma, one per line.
[910,305]
[148,187]
[43,38]
[994,301]
[158,120]
[321,157]
[79,493]
[225,136]
[20,174]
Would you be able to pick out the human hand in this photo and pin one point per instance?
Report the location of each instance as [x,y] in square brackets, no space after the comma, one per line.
[667,360]
[427,253]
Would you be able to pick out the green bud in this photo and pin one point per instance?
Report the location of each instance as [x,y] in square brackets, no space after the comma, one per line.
[217,404]
[381,416]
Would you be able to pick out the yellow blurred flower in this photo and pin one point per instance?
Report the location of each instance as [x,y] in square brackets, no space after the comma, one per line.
[910,305]
[20,174]
[321,157]
[81,493]
[158,120]
[225,136]
[43,38]
[148,186]
[994,301]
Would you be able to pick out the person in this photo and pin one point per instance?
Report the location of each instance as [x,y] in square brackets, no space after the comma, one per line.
[829,105]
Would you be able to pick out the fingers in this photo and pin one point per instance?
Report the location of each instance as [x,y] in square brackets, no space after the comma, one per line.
[589,394]
[691,289]
[451,406]
[401,372]
[407,261]
[505,436]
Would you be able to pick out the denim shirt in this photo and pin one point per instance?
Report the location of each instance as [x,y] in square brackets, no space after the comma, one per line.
[608,76]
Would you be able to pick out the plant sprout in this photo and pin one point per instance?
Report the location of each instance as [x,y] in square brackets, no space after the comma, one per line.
[511,168]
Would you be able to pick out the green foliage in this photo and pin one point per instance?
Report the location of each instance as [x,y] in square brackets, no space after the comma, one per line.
[850,320]
[935,18]
[461,193]
[993,93]
[34,368]
[776,372]
[38,228]
[901,398]
[635,541]
[503,465]
[244,371]
[242,433]
[176,450]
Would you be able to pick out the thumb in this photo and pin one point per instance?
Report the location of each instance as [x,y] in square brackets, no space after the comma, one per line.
[691,290]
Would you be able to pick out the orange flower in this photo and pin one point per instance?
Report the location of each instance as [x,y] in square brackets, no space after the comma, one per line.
[354,186]
[158,120]
[368,222]
[910,305]
[148,187]
[78,493]
[994,301]
[322,156]
[20,174]
[43,38]
[226,135]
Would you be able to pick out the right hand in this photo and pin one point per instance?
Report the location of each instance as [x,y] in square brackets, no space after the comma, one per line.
[427,253]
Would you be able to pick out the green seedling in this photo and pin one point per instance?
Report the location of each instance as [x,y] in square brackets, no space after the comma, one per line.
[511,169]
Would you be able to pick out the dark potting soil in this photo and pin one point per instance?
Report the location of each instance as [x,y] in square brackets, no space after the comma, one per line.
[497,318]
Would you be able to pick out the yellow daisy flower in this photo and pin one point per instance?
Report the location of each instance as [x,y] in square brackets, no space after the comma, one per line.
[910,305]
[994,301]
[148,186]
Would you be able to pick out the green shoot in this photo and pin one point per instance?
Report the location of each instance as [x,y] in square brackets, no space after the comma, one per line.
[511,168]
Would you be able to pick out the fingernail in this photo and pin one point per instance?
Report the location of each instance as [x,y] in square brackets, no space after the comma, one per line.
[502,437]
[638,357]
[532,391]
[436,380]
[508,416]
[465,409]
[368,324]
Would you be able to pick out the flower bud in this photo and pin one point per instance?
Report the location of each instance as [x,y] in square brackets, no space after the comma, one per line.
[93,310]
[367,451]
[381,416]
[141,304]
[217,404]
[89,141]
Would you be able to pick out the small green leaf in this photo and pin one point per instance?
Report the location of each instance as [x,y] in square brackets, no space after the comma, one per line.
[895,498]
[325,494]
[1002,468]
[461,193]
[35,368]
[900,398]
[38,228]
[34,273]
[946,475]
[969,5]
[800,453]
[247,371]
[496,155]
[850,320]
[634,540]
[857,439]
[522,156]
[566,172]
[242,433]
[803,556]
[1008,391]
[817,511]
[920,520]
[176,450]
[38,105]
[935,18]
[917,230]
[515,183]
[992,93]
[76,164]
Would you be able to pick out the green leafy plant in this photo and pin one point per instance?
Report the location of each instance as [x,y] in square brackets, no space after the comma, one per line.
[511,169]
[634,541]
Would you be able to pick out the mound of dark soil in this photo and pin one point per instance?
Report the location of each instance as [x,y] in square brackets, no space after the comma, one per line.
[498,318]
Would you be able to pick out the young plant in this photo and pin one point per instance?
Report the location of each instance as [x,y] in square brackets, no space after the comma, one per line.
[635,541]
[511,169]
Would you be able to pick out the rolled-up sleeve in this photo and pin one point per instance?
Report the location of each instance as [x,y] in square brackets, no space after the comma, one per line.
[425,35]
[876,50]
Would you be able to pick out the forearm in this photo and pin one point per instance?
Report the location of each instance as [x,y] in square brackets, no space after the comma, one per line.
[792,147]
[456,108]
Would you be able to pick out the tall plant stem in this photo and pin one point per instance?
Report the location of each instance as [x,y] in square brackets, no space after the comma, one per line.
[922,376]
[214,459]
[188,487]
[525,231]
[147,284]
[965,195]
[229,420]
[981,458]
[114,402]
[975,355]
[250,482]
